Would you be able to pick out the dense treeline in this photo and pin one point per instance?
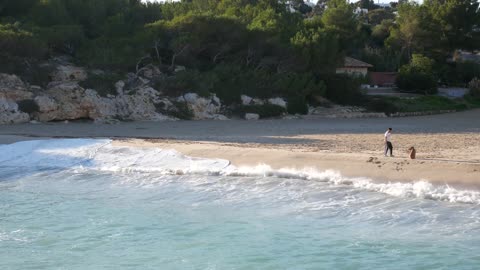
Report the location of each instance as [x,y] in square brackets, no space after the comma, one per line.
[255,47]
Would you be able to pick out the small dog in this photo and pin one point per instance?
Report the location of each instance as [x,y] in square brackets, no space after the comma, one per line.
[413,152]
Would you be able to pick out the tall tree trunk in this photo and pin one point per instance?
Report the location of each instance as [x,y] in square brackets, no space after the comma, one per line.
[158,54]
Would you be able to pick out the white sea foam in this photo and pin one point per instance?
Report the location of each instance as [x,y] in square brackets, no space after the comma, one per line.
[13,236]
[90,154]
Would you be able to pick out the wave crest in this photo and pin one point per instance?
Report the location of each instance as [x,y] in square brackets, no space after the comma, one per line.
[90,154]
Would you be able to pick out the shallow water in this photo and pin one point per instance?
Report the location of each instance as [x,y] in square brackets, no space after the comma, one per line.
[85,204]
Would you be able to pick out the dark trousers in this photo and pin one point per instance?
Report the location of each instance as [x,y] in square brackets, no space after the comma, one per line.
[389,146]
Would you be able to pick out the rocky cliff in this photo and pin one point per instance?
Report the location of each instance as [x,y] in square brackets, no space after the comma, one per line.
[133,97]
[64,98]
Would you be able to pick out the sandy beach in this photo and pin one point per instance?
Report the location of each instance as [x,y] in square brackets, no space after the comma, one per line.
[448,145]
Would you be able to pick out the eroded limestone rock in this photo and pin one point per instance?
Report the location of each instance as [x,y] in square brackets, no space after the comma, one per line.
[203,107]
[10,114]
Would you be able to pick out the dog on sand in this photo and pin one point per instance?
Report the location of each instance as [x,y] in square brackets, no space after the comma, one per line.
[413,152]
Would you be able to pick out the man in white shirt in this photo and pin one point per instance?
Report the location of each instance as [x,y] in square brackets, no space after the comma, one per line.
[388,142]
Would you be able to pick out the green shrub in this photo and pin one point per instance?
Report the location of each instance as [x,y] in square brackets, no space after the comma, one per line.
[298,88]
[298,85]
[472,102]
[183,111]
[229,82]
[37,74]
[467,71]
[431,103]
[474,87]
[344,89]
[104,84]
[113,53]
[381,105]
[460,73]
[264,111]
[17,42]
[167,85]
[418,76]
[412,80]
[62,38]
[30,70]
[418,104]
[297,105]
[188,81]
[232,81]
[28,106]
[461,107]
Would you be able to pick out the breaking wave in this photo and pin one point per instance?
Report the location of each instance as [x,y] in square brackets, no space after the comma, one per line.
[102,155]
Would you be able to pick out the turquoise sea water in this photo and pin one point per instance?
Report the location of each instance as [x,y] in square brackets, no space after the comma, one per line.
[67,205]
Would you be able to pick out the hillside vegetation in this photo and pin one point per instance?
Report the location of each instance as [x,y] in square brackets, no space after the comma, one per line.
[260,48]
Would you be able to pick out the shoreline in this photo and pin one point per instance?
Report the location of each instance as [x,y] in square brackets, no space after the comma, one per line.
[462,174]
[448,145]
[378,168]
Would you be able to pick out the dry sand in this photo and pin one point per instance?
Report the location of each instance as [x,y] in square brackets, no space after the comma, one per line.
[448,146]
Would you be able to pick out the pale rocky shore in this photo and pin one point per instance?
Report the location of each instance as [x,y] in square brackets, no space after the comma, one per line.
[448,145]
[64,99]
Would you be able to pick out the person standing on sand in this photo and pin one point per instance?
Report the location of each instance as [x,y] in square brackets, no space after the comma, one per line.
[388,142]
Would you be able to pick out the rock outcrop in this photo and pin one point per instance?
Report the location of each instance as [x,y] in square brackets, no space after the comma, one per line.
[138,108]
[68,73]
[246,100]
[278,101]
[66,101]
[10,114]
[149,71]
[252,116]
[69,101]
[119,86]
[13,88]
[47,108]
[202,107]
[179,69]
